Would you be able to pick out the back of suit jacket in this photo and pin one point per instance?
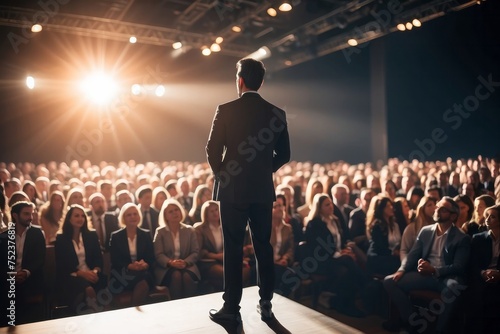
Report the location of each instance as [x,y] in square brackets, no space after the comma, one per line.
[247,143]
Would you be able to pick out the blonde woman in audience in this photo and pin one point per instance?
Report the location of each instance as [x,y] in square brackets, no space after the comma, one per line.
[51,214]
[314,186]
[176,252]
[201,195]
[477,223]
[160,195]
[74,196]
[425,212]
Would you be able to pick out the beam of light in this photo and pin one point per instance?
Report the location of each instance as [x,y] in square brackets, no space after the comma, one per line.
[160,91]
[260,54]
[99,88]
[177,45]
[132,39]
[136,89]
[30,82]
[215,47]
[205,51]
[36,28]
[352,42]
[285,7]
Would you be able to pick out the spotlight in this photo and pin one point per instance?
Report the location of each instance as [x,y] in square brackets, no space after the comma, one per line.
[285,7]
[36,28]
[401,27]
[219,40]
[288,63]
[409,26]
[272,12]
[215,47]
[352,42]
[236,28]
[416,23]
[177,45]
[99,88]
[205,51]
[136,89]
[30,82]
[260,54]
[160,91]
[132,39]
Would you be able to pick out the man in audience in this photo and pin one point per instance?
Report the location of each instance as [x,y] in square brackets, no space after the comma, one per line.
[184,196]
[105,187]
[103,222]
[149,215]
[340,197]
[171,187]
[357,220]
[437,262]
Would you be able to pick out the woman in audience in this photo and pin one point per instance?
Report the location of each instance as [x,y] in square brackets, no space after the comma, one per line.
[200,196]
[132,253]
[74,196]
[78,262]
[425,212]
[176,251]
[323,228]
[401,213]
[51,214]
[466,209]
[314,186]
[160,195]
[477,223]
[30,189]
[384,237]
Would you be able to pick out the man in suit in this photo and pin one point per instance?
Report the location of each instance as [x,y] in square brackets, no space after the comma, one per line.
[438,262]
[248,142]
[29,261]
[340,197]
[102,221]
[144,195]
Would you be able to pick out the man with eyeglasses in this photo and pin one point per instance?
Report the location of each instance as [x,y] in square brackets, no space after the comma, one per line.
[436,262]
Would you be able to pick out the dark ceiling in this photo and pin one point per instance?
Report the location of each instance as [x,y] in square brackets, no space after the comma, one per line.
[311,29]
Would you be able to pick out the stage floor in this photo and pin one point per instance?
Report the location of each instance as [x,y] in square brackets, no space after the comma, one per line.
[189,315]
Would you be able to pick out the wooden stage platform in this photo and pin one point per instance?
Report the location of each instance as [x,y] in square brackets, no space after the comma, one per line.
[188,315]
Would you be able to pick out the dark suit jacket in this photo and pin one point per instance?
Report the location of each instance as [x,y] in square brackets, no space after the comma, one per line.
[343,223]
[206,239]
[287,242]
[456,251]
[247,143]
[110,224]
[317,233]
[481,254]
[120,252]
[66,259]
[154,215]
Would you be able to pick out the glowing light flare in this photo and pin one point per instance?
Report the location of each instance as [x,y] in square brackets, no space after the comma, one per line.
[36,28]
[215,47]
[99,88]
[236,28]
[219,40]
[401,27]
[30,82]
[416,23]
[177,45]
[352,42]
[160,90]
[205,51]
[285,7]
[409,26]
[136,89]
[132,39]
[272,12]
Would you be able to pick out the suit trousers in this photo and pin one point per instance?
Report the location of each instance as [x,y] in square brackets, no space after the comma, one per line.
[234,219]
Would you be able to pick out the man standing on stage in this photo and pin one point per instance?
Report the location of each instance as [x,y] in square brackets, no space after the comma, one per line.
[248,142]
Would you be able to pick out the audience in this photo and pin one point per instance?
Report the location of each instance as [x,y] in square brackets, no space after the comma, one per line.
[477,224]
[51,214]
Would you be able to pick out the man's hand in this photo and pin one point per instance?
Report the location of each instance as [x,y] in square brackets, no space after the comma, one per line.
[491,276]
[425,268]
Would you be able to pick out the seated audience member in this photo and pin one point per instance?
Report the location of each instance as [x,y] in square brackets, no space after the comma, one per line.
[51,214]
[102,221]
[11,186]
[384,237]
[150,216]
[201,195]
[283,246]
[357,220]
[159,196]
[171,187]
[176,252]
[339,266]
[437,261]
[476,224]
[342,209]
[79,263]
[485,275]
[29,261]
[42,187]
[211,247]
[468,189]
[424,217]
[123,197]
[389,189]
[401,213]
[74,196]
[29,189]
[314,186]
[185,196]
[105,187]
[414,196]
[434,191]
[486,181]
[466,210]
[132,255]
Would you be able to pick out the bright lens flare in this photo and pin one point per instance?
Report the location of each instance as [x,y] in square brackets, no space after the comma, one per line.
[30,82]
[99,88]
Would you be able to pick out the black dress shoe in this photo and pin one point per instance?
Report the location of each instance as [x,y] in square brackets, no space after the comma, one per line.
[230,321]
[265,311]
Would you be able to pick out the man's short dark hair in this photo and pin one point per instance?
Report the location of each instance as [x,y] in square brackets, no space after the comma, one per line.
[454,205]
[143,190]
[19,206]
[252,71]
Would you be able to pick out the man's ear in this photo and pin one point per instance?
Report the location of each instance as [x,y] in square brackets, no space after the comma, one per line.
[241,83]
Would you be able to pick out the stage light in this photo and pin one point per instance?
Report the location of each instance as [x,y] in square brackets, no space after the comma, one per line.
[160,91]
[401,27]
[352,42]
[132,39]
[272,12]
[236,28]
[177,45]
[36,28]
[409,26]
[30,82]
[205,51]
[260,54]
[136,89]
[219,40]
[417,23]
[288,63]
[99,88]
[215,47]
[285,7]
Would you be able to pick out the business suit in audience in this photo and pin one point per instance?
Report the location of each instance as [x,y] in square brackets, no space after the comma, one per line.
[283,247]
[30,258]
[79,262]
[132,254]
[337,262]
[176,252]
[485,275]
[150,216]
[342,209]
[102,221]
[384,237]
[357,219]
[438,262]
